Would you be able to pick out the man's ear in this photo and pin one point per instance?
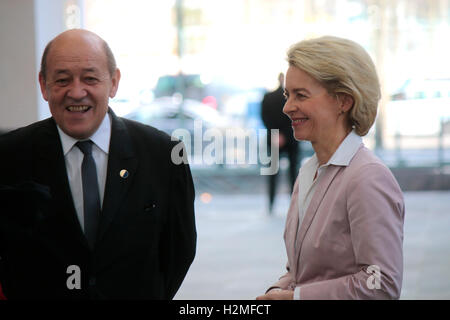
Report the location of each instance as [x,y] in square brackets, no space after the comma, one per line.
[115,79]
[43,86]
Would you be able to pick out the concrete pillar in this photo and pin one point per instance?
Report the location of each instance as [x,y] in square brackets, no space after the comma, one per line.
[18,82]
[25,29]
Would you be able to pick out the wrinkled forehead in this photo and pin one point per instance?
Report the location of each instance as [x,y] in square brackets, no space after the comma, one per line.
[77,53]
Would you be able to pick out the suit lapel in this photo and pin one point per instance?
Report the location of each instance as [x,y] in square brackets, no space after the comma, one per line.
[291,227]
[321,190]
[121,157]
[50,169]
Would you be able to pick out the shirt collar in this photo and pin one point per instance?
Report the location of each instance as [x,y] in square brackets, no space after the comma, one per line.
[101,137]
[346,150]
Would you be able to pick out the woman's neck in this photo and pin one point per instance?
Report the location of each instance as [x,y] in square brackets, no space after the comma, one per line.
[326,147]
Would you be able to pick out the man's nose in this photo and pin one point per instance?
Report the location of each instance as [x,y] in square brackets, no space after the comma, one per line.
[77,90]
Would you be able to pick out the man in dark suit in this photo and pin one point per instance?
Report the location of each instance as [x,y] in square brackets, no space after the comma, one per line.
[274,118]
[92,205]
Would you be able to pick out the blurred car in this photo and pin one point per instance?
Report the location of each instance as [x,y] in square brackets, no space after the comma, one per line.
[194,118]
[212,91]
[170,113]
[423,89]
[418,107]
[191,86]
[241,104]
[128,100]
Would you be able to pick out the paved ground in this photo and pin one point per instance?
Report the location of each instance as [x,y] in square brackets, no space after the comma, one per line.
[241,251]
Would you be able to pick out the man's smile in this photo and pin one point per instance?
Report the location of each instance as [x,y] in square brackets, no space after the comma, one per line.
[78,108]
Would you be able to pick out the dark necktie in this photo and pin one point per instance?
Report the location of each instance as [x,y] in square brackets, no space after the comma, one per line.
[91,197]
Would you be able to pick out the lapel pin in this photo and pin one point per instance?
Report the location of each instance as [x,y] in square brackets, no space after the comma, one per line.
[124,173]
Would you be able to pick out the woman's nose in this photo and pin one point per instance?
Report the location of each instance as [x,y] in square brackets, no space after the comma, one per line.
[288,107]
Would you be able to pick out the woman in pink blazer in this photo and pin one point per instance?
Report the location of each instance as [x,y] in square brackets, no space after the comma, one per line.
[344,229]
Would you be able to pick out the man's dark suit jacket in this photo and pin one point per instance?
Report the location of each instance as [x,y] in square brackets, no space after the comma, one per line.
[146,239]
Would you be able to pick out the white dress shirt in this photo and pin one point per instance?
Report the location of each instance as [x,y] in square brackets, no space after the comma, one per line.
[74,157]
[307,184]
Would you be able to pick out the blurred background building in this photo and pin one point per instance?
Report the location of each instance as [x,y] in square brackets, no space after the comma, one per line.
[213,60]
[226,54]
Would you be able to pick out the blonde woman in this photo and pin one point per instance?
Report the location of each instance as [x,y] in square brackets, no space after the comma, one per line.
[344,229]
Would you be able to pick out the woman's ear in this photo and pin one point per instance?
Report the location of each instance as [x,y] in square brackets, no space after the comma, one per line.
[346,101]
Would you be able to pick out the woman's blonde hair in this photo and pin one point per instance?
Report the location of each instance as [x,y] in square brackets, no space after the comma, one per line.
[341,66]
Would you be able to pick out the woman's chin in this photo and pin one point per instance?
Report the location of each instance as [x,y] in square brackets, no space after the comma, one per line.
[301,137]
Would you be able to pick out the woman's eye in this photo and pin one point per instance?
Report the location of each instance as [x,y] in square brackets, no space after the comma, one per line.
[297,95]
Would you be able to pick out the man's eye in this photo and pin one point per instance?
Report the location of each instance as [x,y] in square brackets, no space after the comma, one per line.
[62,82]
[91,80]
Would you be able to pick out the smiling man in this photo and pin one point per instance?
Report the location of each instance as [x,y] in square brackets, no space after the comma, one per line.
[88,191]
[77,83]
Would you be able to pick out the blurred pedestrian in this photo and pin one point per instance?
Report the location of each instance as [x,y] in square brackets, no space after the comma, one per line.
[274,118]
[344,228]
